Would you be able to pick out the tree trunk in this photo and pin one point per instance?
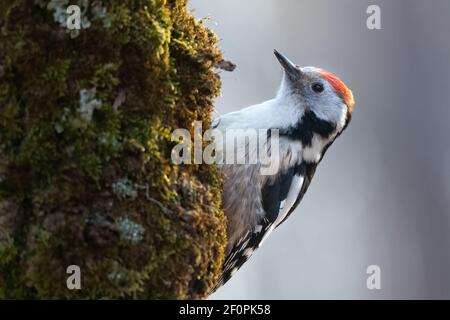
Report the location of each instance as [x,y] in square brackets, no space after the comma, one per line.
[86,118]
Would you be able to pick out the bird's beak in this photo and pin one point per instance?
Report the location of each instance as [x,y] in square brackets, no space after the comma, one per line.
[291,69]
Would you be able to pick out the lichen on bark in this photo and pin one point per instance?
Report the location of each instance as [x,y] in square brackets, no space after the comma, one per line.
[85,171]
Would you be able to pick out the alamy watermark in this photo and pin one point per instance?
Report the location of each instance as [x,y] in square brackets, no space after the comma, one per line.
[73,281]
[259,147]
[373,21]
[374,279]
[74,17]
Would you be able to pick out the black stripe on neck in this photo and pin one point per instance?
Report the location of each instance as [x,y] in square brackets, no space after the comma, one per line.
[305,129]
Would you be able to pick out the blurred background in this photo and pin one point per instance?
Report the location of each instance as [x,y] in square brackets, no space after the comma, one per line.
[381,196]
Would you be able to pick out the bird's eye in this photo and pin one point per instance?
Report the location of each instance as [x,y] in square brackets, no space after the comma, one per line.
[317,87]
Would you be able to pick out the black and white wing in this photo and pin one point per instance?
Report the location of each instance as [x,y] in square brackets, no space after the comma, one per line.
[280,198]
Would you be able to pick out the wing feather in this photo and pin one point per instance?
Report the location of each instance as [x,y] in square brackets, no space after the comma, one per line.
[280,198]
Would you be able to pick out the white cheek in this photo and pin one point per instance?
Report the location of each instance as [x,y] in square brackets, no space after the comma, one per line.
[335,112]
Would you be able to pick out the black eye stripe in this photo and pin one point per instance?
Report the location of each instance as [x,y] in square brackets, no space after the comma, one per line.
[317,87]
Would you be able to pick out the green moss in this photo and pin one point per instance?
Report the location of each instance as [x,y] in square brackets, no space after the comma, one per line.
[85,171]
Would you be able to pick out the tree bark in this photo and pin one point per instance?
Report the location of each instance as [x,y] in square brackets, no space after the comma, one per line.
[86,118]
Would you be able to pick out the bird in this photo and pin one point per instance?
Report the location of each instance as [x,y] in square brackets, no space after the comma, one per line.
[311,109]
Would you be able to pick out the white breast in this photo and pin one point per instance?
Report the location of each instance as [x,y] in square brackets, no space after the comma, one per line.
[313,153]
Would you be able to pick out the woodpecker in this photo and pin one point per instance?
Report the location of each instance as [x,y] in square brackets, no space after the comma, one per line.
[310,110]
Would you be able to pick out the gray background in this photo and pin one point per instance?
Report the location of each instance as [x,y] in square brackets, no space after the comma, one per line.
[381,195]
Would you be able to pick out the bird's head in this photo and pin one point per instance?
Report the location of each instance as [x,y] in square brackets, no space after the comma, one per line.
[317,91]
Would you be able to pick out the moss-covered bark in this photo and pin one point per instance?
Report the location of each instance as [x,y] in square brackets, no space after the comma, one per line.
[85,171]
